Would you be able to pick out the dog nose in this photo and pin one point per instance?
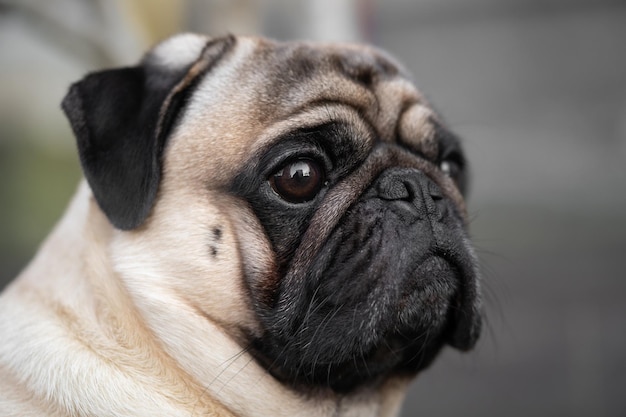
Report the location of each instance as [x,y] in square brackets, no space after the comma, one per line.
[411,185]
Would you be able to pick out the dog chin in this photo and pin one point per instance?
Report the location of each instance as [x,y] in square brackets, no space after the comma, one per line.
[343,345]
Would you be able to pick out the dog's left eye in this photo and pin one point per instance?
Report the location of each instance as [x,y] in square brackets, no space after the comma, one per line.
[299,181]
[447,167]
[451,167]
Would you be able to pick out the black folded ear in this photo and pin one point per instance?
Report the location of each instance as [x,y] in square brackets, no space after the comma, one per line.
[122,117]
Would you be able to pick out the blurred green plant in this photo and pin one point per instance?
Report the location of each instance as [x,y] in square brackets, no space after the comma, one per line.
[36,183]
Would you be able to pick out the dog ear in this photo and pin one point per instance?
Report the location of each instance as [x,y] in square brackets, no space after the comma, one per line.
[122,117]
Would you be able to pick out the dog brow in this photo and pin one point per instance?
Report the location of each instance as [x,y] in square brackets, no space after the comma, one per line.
[417,129]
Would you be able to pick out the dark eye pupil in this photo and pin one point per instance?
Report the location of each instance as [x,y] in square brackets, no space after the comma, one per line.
[298,182]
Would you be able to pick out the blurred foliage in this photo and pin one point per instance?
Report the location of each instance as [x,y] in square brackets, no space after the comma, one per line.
[37,183]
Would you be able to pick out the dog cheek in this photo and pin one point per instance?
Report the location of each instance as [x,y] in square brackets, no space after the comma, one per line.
[188,253]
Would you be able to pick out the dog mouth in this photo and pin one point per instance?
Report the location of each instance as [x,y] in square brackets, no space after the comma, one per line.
[341,343]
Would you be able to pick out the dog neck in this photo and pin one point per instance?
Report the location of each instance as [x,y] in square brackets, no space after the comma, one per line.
[75,340]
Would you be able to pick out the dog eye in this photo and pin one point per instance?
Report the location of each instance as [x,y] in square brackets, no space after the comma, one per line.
[451,168]
[298,181]
[446,167]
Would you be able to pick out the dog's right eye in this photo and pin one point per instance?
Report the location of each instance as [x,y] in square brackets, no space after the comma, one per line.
[299,181]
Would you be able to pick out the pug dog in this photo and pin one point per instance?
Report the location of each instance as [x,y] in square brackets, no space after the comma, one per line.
[264,229]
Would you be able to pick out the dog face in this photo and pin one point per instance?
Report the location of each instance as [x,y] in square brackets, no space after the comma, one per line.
[304,198]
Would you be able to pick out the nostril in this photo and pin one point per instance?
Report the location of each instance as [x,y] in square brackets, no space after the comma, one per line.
[393,188]
[435,191]
[414,194]
[437,205]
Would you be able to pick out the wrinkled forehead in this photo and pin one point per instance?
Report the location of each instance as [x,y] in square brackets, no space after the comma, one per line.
[338,72]
[358,78]
[260,89]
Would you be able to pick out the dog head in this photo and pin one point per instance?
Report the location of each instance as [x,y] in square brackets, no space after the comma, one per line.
[305,198]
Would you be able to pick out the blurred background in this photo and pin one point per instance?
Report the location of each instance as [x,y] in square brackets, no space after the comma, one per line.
[537,89]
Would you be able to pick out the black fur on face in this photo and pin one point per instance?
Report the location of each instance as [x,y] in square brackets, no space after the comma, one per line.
[376,272]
